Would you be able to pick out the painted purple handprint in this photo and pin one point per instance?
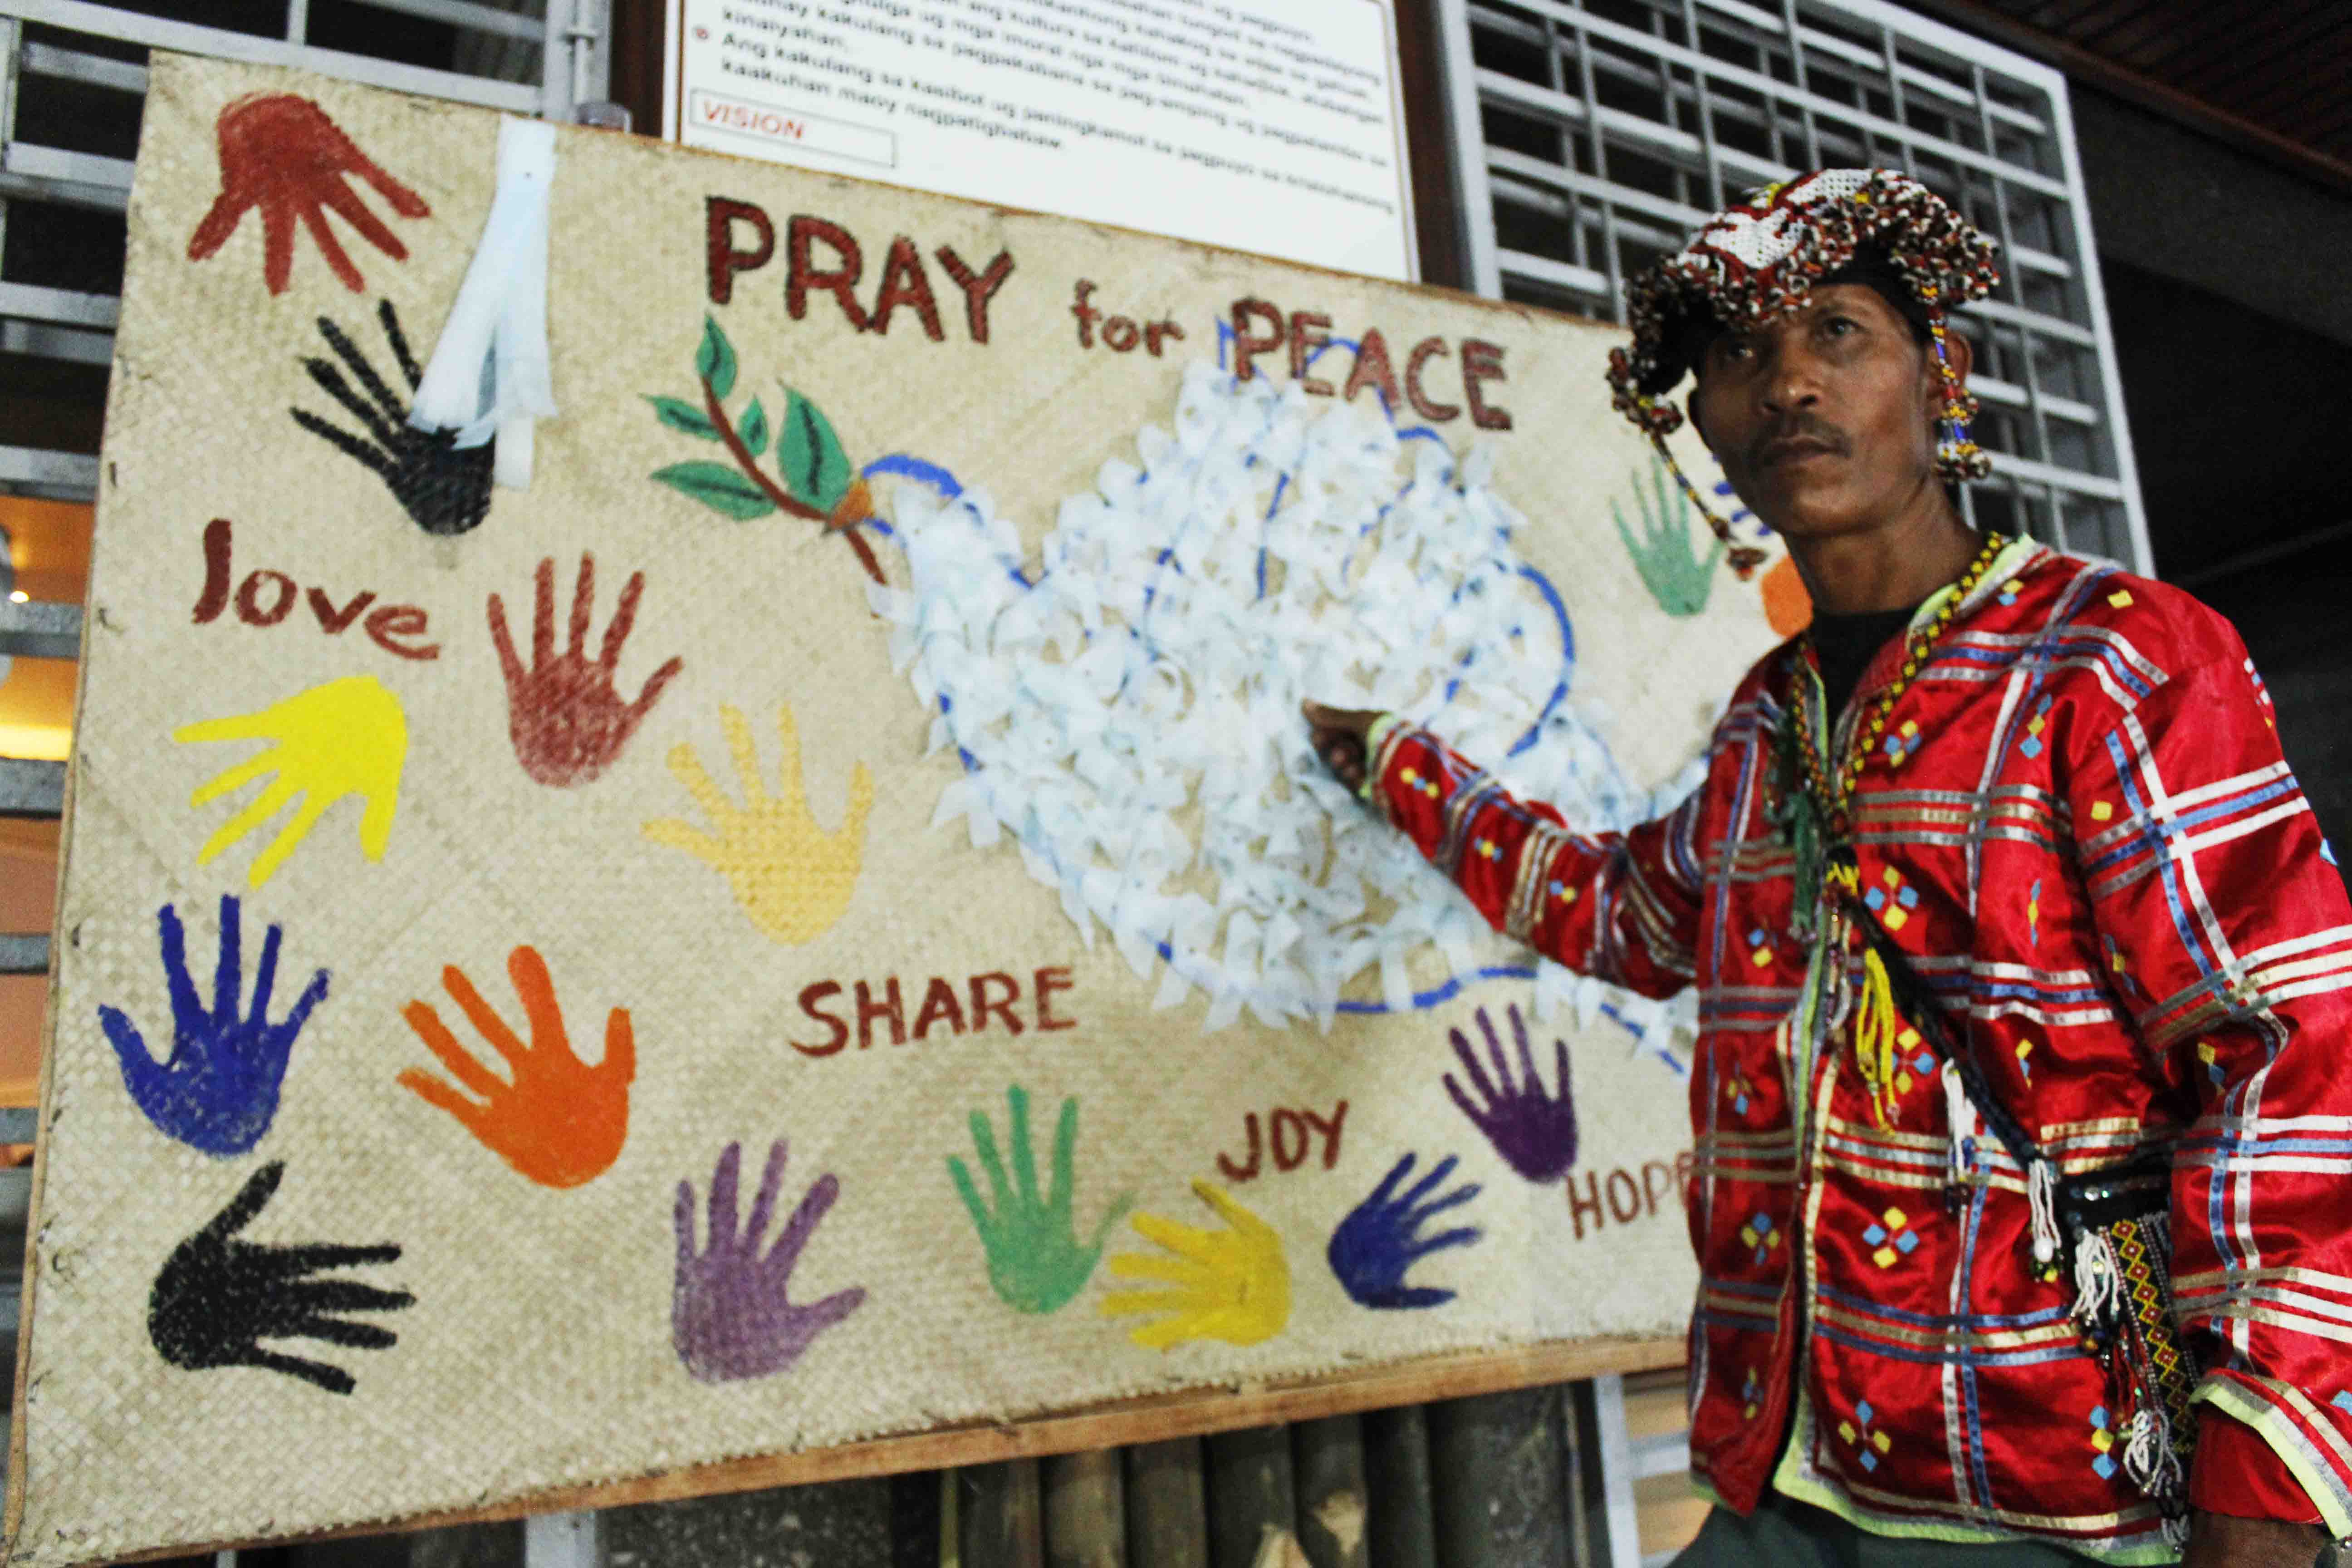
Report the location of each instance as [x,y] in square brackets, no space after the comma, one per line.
[1534,1132]
[728,1317]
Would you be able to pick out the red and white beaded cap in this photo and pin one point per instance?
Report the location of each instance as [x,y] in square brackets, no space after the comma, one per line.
[1760,258]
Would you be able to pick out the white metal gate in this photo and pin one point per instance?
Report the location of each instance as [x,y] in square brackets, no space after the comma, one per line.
[1590,136]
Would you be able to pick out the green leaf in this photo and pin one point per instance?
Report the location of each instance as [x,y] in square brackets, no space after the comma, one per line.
[714,362]
[808,455]
[717,486]
[680,414]
[754,429]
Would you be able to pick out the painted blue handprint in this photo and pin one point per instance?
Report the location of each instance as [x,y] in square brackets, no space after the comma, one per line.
[218,1090]
[1380,1239]
[1533,1130]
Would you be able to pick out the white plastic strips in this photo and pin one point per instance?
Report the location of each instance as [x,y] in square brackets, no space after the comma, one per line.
[1127,707]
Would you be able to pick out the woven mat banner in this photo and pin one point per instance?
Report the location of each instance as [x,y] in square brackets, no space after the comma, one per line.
[812,918]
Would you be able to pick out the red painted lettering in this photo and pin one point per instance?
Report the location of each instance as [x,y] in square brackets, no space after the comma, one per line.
[249,599]
[1423,351]
[978,288]
[904,282]
[1329,1131]
[389,621]
[939,1002]
[1288,1153]
[724,261]
[982,1005]
[1371,369]
[868,1010]
[1248,345]
[215,597]
[1663,1186]
[1629,1211]
[333,620]
[810,997]
[1048,982]
[1309,331]
[1483,361]
[802,274]
[1578,1207]
[1248,1172]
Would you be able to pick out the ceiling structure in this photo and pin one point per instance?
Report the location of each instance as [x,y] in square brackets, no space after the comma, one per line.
[2270,78]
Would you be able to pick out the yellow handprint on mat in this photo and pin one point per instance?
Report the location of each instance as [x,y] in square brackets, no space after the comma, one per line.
[347,737]
[1231,1285]
[791,877]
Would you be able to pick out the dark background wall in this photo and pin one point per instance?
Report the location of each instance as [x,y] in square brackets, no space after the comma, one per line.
[2225,286]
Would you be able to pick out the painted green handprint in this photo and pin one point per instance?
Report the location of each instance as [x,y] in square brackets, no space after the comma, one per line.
[1676,579]
[1036,1261]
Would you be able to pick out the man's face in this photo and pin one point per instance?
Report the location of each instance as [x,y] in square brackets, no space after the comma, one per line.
[1824,419]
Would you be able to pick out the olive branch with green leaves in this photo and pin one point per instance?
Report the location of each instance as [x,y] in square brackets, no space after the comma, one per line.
[813,479]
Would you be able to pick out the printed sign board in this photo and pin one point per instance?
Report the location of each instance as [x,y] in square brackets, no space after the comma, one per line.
[812,916]
[1272,126]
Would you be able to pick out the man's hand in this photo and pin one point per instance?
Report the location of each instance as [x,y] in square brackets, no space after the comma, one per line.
[1340,736]
[2225,1541]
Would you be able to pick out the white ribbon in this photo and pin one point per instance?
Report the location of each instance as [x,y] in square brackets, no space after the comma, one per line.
[489,375]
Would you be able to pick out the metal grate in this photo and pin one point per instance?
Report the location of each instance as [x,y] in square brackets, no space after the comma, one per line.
[1593,136]
[71,73]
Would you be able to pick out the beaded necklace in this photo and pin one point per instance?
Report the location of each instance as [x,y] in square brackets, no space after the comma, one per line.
[1830,797]
[1814,811]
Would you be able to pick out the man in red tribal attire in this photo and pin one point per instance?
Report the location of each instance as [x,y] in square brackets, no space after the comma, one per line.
[2048,794]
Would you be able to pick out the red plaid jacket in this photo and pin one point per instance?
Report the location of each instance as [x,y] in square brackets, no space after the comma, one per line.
[2082,831]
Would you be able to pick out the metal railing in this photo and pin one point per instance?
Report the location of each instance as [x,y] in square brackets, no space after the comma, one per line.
[1594,136]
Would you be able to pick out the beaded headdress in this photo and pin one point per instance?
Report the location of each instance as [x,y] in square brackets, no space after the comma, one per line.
[1760,258]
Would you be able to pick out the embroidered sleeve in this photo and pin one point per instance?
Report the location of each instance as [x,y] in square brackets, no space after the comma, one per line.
[2229,937]
[1622,907]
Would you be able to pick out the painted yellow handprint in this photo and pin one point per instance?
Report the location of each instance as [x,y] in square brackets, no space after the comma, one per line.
[1231,1285]
[793,879]
[346,737]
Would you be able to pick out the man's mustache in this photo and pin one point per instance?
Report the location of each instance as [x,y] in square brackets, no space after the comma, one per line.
[1797,426]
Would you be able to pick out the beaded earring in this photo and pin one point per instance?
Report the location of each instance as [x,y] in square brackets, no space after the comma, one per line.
[1958,456]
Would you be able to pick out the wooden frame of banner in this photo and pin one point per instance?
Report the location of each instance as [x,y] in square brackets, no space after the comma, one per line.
[1151,1419]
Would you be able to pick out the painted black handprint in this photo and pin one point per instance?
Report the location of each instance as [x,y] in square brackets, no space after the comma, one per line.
[217,1297]
[444,488]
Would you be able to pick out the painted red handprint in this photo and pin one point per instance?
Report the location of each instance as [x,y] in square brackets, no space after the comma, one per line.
[566,720]
[282,155]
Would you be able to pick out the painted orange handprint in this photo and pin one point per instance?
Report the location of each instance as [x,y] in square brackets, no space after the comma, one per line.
[793,879]
[566,720]
[562,1122]
[282,155]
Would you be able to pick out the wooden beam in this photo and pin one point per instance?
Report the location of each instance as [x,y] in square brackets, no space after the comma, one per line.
[1151,1419]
